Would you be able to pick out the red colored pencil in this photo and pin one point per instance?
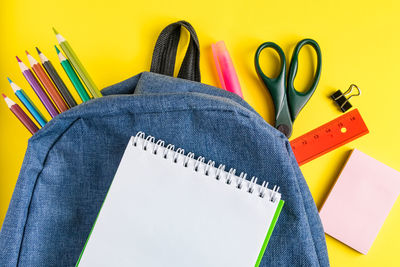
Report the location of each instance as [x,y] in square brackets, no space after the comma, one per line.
[47,83]
[21,115]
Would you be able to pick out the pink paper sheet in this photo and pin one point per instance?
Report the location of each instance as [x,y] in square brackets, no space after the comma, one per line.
[360,201]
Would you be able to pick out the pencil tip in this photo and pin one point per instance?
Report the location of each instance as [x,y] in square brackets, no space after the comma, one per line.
[26,52]
[55,31]
[4,96]
[58,51]
[9,80]
[19,60]
[37,49]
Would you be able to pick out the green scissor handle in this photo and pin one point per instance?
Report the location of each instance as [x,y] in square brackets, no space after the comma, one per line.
[297,99]
[277,89]
[287,100]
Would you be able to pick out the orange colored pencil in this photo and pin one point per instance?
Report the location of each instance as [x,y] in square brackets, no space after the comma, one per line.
[47,83]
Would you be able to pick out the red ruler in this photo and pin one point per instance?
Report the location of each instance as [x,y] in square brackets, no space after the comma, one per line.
[328,137]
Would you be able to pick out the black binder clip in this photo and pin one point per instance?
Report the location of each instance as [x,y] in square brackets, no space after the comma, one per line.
[342,100]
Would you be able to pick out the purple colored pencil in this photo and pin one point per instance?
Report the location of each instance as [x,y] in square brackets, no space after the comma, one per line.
[38,89]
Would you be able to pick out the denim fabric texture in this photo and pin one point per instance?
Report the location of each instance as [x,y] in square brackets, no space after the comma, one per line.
[70,163]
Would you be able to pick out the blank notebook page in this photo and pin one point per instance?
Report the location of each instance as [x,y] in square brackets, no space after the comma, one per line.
[160,213]
[360,201]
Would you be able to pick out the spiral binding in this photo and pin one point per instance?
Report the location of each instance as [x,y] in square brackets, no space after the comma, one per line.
[230,177]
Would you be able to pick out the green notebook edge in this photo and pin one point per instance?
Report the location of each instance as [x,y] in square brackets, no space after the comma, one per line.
[91,230]
[269,233]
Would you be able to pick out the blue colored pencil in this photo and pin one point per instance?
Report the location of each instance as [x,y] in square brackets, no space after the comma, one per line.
[23,97]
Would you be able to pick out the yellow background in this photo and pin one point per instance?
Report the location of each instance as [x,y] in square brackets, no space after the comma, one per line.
[360,44]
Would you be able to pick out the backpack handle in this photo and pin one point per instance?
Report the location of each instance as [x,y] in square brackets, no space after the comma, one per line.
[164,54]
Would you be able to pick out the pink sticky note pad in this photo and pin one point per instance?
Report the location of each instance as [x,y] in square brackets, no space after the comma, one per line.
[360,201]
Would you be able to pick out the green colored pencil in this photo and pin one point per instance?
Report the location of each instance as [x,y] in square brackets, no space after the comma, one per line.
[76,63]
[72,76]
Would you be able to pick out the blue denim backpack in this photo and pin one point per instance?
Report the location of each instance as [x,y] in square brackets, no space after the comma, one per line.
[70,163]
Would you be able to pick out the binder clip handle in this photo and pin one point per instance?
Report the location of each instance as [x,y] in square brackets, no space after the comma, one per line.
[342,99]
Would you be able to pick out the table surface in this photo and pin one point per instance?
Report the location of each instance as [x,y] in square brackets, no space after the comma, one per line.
[359,40]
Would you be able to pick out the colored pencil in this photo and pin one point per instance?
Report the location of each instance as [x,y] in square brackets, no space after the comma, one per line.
[51,71]
[34,83]
[21,115]
[23,97]
[47,84]
[78,65]
[72,76]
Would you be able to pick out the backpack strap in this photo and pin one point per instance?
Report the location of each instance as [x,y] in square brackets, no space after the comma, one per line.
[164,55]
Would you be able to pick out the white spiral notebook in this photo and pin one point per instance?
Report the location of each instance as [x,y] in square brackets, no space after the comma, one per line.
[167,208]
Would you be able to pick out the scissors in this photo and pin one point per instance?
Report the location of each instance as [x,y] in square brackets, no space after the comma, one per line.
[287,100]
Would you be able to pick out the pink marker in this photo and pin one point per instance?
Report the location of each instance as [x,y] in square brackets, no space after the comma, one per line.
[226,72]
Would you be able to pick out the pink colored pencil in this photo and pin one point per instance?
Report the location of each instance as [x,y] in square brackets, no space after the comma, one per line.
[30,77]
[21,115]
